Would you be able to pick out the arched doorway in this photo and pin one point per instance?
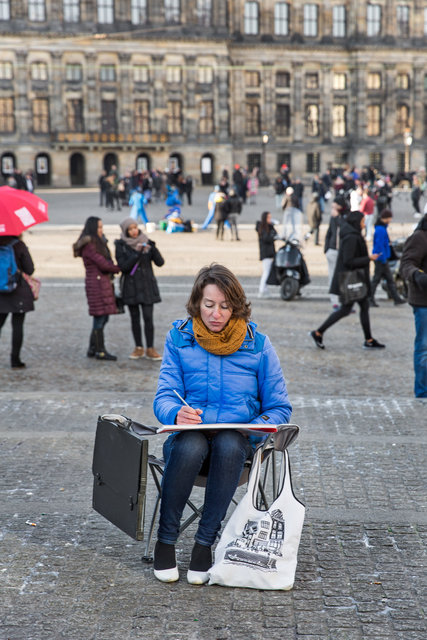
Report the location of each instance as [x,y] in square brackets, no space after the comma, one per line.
[143,162]
[207,168]
[176,167]
[110,159]
[8,164]
[42,169]
[77,169]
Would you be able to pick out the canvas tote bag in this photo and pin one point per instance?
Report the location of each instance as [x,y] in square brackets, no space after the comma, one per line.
[258,549]
[352,286]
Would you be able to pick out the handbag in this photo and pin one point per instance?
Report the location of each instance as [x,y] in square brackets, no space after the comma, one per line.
[352,286]
[118,295]
[33,283]
[258,549]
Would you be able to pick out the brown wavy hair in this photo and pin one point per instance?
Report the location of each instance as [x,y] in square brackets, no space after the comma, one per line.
[227,282]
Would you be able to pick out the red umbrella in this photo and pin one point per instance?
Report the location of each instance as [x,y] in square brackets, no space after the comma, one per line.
[20,210]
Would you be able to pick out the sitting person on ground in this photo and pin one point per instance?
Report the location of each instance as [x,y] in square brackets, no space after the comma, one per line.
[227,372]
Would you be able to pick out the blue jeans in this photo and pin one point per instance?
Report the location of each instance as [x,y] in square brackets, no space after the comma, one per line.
[420,352]
[99,322]
[225,453]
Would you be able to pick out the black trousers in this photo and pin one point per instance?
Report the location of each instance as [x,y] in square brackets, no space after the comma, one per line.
[382,270]
[17,332]
[344,311]
[135,317]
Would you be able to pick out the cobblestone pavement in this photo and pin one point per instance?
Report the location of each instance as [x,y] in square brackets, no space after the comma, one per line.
[359,464]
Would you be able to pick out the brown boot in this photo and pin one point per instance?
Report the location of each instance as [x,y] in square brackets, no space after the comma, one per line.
[137,353]
[152,354]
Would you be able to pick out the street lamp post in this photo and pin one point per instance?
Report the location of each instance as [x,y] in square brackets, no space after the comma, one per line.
[407,139]
[263,179]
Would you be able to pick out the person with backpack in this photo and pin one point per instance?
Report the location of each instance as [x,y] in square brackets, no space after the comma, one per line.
[15,294]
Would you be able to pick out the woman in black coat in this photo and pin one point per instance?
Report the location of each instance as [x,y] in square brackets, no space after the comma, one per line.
[19,301]
[134,255]
[266,236]
[352,254]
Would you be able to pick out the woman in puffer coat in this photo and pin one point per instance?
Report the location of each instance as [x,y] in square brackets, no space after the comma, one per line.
[352,254]
[226,372]
[92,247]
[135,254]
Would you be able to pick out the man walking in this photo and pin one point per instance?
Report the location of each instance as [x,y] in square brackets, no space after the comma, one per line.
[413,267]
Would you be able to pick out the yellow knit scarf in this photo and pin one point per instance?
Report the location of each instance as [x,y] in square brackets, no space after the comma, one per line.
[220,343]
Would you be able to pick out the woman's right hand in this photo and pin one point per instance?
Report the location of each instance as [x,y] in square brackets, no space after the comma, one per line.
[188,415]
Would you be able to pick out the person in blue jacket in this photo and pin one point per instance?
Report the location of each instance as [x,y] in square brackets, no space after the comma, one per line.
[382,248]
[226,372]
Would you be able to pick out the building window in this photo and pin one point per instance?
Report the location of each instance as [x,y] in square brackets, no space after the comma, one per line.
[105,11]
[402,118]
[251,18]
[283,119]
[313,162]
[73,72]
[311,80]
[339,21]
[174,115]
[204,12]
[252,78]
[312,120]
[4,9]
[253,119]
[373,20]
[376,160]
[283,80]
[39,71]
[107,73]
[206,121]
[373,120]
[7,116]
[140,73]
[6,71]
[75,116]
[141,116]
[36,10]
[71,10]
[172,11]
[283,160]
[310,20]
[402,18]
[339,121]
[108,116]
[402,81]
[173,75]
[40,115]
[339,81]
[205,75]
[138,11]
[374,81]
[281,19]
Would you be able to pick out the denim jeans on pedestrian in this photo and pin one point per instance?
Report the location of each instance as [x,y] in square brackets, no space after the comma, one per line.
[226,452]
[420,352]
[99,322]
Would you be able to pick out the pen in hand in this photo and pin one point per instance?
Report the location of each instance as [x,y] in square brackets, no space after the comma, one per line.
[187,416]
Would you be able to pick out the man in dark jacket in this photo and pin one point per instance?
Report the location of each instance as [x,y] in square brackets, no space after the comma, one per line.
[413,267]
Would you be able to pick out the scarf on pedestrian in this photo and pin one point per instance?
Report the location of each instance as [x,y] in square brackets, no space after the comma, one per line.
[132,242]
[220,343]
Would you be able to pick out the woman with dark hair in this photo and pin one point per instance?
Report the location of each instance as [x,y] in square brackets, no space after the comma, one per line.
[92,247]
[352,254]
[19,301]
[266,236]
[226,372]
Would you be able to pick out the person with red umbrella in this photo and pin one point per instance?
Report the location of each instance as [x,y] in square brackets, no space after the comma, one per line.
[19,210]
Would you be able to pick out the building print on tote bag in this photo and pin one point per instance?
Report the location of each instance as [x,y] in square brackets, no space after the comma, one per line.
[260,544]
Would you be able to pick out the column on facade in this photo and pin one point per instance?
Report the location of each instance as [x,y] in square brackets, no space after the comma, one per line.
[327,104]
[125,95]
[159,107]
[22,103]
[220,13]
[390,105]
[418,100]
[268,100]
[93,105]
[190,107]
[226,105]
[358,99]
[298,107]
[156,14]
[56,83]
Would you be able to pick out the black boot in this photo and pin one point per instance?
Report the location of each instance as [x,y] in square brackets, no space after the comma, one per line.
[92,346]
[101,353]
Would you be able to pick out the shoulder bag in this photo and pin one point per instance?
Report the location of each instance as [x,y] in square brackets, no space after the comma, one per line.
[258,549]
[33,283]
[352,286]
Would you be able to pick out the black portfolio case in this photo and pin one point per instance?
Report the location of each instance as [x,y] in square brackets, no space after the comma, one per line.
[120,472]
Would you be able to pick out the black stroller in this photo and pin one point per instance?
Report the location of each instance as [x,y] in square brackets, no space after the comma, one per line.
[289,270]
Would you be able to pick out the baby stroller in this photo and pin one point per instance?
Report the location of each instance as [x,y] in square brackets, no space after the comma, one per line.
[289,270]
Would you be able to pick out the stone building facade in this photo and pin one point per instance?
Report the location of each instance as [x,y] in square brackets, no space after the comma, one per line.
[205,84]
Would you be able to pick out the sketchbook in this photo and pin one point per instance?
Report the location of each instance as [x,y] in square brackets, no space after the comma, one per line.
[254,429]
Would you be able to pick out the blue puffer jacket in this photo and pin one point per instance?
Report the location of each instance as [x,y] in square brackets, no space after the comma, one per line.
[381,242]
[244,387]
